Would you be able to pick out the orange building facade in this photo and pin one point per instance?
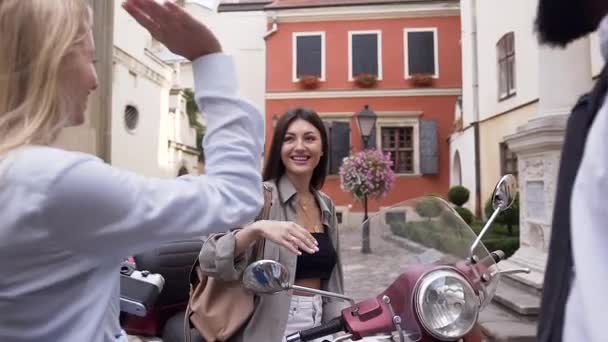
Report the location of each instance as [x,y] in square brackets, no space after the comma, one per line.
[400,59]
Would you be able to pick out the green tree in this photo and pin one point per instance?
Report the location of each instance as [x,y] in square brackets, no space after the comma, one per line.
[193,115]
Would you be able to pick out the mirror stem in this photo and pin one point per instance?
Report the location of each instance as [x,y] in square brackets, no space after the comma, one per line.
[516,271]
[482,233]
[322,293]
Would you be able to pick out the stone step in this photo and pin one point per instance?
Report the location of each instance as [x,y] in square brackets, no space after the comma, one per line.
[517,299]
[516,283]
[500,325]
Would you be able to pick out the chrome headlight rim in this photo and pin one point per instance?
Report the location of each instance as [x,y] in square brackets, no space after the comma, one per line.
[423,283]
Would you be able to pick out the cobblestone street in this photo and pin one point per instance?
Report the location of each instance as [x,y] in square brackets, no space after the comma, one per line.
[366,275]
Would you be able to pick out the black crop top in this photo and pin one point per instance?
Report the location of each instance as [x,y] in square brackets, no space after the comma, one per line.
[320,264]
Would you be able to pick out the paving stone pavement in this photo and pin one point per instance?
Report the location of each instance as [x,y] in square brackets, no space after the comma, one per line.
[366,275]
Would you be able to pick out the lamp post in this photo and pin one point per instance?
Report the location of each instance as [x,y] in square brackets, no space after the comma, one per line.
[366,120]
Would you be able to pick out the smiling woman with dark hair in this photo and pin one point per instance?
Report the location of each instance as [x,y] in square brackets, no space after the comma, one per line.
[295,169]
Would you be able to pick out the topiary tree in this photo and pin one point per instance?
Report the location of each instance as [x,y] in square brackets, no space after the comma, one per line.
[428,207]
[459,195]
[466,214]
[509,217]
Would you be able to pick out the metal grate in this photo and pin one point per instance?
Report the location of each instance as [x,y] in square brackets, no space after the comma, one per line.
[131,117]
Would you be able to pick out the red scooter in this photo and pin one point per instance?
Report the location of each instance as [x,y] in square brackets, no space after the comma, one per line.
[440,275]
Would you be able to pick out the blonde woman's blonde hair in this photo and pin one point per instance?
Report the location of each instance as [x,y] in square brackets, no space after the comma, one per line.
[35,38]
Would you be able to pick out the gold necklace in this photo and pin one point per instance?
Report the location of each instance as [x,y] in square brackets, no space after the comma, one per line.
[315,226]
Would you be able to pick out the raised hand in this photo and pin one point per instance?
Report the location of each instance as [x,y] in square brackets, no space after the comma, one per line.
[175,28]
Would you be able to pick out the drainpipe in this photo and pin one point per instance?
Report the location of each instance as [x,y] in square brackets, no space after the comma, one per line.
[273,29]
[475,71]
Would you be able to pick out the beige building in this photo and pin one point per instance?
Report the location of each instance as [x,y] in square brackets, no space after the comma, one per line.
[137,119]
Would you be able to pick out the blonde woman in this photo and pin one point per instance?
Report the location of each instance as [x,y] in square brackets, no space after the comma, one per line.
[67,219]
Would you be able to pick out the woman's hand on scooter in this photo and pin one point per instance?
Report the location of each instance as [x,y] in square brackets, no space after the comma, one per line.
[171,25]
[287,234]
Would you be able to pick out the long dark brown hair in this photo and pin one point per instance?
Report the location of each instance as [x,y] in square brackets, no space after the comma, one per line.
[275,169]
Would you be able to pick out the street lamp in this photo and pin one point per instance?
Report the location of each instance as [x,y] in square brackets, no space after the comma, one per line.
[366,119]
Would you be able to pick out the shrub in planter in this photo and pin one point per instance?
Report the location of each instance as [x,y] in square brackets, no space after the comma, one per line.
[366,80]
[309,81]
[459,195]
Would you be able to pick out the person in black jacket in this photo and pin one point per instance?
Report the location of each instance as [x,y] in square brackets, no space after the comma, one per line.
[558,23]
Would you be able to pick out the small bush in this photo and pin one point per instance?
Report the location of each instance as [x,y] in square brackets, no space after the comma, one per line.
[459,195]
[509,245]
[509,217]
[466,214]
[429,208]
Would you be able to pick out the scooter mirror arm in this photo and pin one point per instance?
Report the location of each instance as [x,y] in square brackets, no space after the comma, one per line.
[323,293]
[481,235]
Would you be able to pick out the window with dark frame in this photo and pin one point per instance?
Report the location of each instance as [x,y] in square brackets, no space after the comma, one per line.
[506,66]
[399,142]
[421,53]
[309,56]
[365,54]
[508,160]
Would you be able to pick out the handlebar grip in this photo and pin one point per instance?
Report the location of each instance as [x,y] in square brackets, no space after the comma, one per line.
[331,327]
[498,256]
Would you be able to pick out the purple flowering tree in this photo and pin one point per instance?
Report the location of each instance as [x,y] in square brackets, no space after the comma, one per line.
[367,174]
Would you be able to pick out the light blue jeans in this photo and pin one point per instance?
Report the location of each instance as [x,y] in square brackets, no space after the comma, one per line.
[304,313]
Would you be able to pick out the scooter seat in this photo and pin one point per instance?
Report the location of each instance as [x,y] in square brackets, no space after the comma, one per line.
[173,261]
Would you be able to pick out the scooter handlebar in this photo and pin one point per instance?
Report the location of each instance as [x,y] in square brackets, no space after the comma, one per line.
[331,327]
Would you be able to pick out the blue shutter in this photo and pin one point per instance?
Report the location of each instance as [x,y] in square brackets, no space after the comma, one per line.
[309,55]
[429,149]
[421,52]
[339,145]
[365,54]
[372,143]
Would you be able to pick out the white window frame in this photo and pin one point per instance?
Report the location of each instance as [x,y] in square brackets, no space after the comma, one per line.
[294,45]
[378,33]
[510,92]
[402,121]
[406,49]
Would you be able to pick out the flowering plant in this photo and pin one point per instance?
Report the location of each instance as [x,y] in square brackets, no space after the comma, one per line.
[367,173]
[366,80]
[309,81]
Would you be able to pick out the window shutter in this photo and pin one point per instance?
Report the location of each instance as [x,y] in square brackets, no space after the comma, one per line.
[339,146]
[372,139]
[365,54]
[429,149]
[309,57]
[421,52]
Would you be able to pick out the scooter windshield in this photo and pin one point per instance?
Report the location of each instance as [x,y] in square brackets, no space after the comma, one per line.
[418,254]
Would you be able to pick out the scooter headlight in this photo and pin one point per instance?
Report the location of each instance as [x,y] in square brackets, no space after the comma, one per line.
[446,304]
